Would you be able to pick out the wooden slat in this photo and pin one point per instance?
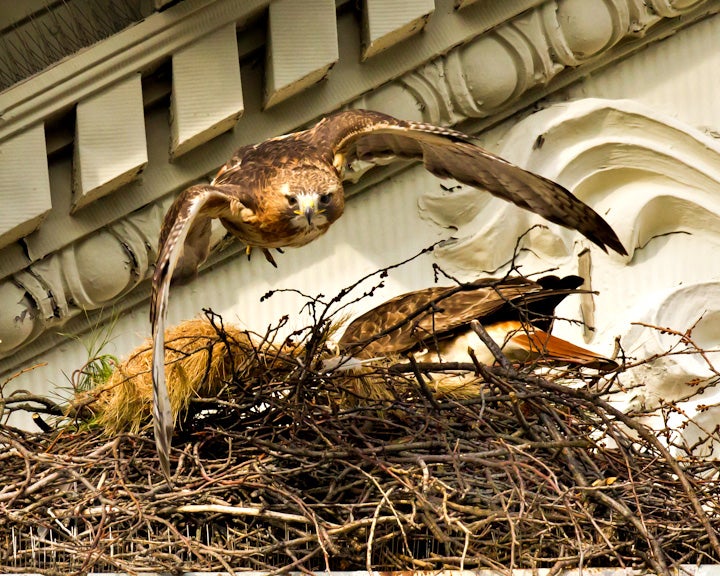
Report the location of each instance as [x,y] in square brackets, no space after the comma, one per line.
[387,22]
[24,184]
[302,46]
[206,90]
[110,145]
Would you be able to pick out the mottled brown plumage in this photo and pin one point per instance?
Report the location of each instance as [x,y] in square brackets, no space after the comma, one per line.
[434,323]
[288,190]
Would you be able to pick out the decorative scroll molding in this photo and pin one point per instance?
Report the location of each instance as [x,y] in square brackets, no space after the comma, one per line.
[472,80]
[693,310]
[599,149]
[497,69]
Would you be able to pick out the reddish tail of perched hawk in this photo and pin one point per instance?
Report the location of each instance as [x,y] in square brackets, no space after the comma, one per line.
[288,190]
[434,324]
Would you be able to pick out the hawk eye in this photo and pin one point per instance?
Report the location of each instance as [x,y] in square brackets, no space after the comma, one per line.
[325,198]
[292,200]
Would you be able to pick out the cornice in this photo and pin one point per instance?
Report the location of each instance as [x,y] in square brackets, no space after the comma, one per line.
[472,67]
[138,48]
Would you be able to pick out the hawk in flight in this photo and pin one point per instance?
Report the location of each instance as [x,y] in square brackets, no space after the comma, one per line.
[434,323]
[287,191]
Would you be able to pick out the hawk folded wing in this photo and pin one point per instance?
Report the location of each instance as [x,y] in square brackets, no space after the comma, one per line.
[434,322]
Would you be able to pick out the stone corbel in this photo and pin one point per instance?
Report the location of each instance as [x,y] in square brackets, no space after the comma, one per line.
[87,275]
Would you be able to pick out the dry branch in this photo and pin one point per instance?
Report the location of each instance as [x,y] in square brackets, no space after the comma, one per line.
[281,466]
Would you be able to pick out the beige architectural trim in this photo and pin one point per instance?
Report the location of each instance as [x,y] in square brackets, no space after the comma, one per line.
[387,22]
[94,248]
[138,48]
[302,46]
[102,164]
[206,98]
[25,184]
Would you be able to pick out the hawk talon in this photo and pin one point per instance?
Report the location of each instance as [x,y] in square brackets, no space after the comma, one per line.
[266,253]
[269,257]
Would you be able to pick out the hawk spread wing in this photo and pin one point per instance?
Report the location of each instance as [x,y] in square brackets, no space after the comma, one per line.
[184,238]
[287,191]
[434,323]
[364,135]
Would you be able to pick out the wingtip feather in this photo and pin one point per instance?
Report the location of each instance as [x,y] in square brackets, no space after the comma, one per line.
[163,423]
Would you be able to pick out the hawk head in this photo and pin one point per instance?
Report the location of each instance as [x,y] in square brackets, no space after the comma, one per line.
[309,201]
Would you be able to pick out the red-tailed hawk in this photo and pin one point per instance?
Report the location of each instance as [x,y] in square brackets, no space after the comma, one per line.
[288,190]
[434,324]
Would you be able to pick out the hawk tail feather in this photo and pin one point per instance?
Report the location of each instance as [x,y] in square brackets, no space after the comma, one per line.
[178,222]
[554,348]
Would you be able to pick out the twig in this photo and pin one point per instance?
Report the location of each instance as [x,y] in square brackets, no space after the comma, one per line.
[490,343]
[239,511]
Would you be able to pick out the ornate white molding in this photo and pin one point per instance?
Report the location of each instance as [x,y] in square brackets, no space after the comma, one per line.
[657,182]
[603,151]
[678,370]
[95,257]
[693,309]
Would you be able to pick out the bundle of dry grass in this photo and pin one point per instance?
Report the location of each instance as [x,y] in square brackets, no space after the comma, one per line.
[201,358]
[279,470]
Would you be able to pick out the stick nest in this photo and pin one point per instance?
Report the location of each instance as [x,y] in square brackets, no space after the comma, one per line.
[291,468]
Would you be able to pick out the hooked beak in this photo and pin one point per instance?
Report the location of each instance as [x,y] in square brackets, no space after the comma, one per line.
[309,213]
[307,206]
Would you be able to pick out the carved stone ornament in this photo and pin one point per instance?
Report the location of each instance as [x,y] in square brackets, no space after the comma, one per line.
[657,182]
